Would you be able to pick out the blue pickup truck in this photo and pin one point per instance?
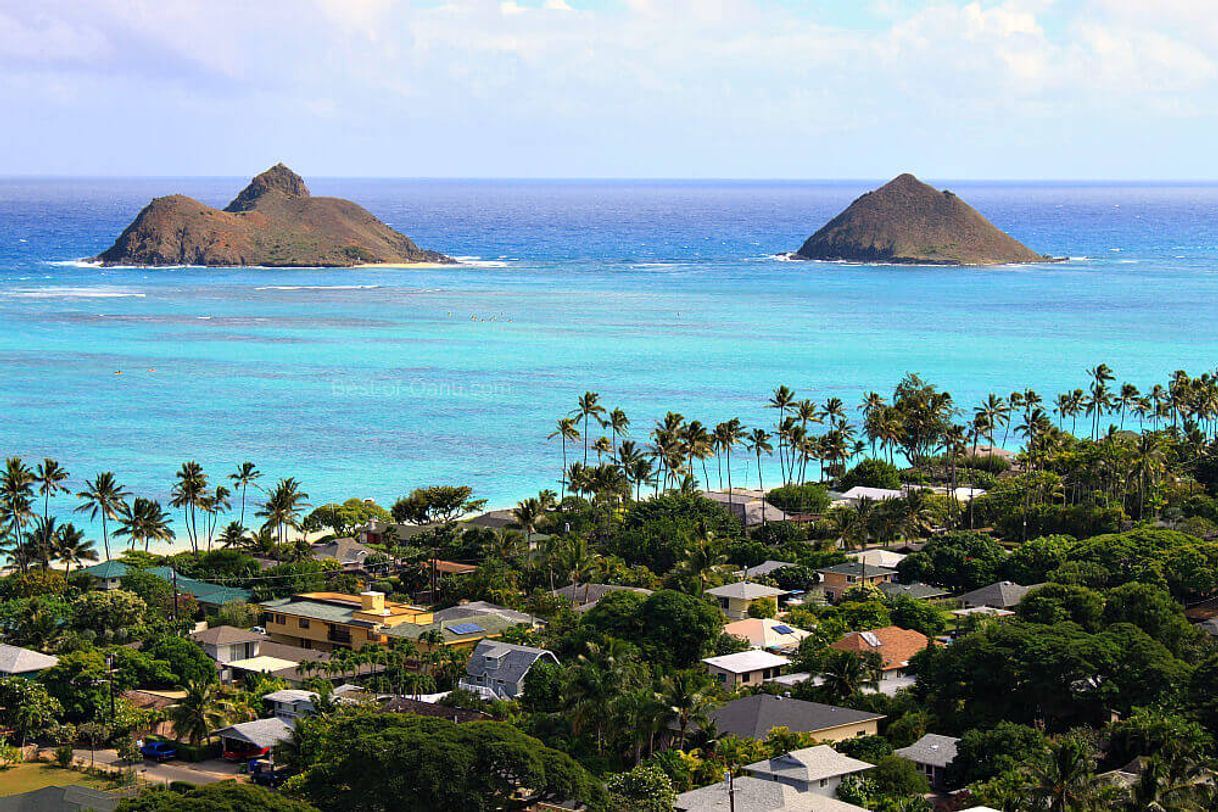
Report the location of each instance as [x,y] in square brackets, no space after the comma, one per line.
[159,751]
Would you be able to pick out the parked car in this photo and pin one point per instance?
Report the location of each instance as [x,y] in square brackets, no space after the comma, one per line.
[159,751]
[240,751]
[263,773]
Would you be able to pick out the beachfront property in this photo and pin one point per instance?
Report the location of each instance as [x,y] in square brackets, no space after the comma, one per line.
[818,770]
[497,670]
[749,506]
[767,633]
[744,668]
[840,578]
[330,620]
[109,575]
[735,599]
[753,717]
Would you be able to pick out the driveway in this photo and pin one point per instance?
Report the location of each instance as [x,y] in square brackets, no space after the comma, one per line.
[203,772]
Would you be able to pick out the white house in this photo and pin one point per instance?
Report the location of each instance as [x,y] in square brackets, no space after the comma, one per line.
[745,668]
[818,770]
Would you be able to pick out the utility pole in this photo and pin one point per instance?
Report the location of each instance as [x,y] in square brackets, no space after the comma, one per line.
[175,592]
[110,679]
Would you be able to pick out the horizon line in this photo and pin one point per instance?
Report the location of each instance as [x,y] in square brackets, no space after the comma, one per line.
[612,179]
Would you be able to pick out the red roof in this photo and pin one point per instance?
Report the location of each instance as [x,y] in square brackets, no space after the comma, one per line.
[894,644]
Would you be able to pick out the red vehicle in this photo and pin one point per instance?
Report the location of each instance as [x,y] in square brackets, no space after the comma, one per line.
[235,750]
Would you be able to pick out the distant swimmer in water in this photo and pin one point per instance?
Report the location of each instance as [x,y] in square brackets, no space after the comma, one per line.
[118,372]
[152,369]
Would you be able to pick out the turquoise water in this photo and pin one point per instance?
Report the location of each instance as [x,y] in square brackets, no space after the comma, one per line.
[660,296]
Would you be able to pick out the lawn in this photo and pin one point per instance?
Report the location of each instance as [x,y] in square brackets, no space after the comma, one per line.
[26,777]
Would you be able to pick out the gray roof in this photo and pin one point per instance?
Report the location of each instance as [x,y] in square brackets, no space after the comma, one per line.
[588,594]
[260,732]
[757,795]
[289,695]
[226,635]
[745,591]
[456,629]
[60,799]
[15,660]
[915,590]
[514,661]
[755,716]
[933,749]
[809,764]
[765,568]
[858,568]
[494,519]
[344,550]
[1210,626]
[475,608]
[999,595]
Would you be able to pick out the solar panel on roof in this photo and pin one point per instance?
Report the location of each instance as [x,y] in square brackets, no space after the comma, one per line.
[871,639]
[466,628]
[784,629]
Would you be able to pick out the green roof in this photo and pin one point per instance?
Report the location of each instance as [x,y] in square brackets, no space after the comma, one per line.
[107,569]
[315,610]
[204,592]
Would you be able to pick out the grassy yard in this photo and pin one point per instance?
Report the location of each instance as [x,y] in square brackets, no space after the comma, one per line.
[26,777]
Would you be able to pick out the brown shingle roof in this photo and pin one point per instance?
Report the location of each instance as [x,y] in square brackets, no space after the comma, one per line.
[894,644]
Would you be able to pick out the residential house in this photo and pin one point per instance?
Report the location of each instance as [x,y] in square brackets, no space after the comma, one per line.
[916,590]
[840,578]
[767,633]
[735,599]
[329,620]
[494,519]
[22,662]
[403,704]
[861,492]
[253,739]
[767,567]
[889,559]
[745,668]
[290,704]
[896,646]
[753,717]
[750,507]
[498,669]
[459,632]
[932,753]
[584,596]
[998,595]
[473,609]
[224,644]
[107,574]
[818,770]
[749,794]
[72,798]
[348,552]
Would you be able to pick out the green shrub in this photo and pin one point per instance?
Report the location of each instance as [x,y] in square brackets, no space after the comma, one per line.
[198,752]
[985,462]
[871,473]
[806,498]
[763,607]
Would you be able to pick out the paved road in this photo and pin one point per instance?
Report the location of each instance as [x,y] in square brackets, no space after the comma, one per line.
[204,772]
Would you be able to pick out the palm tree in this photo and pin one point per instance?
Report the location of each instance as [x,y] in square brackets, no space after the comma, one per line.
[781,400]
[198,713]
[758,441]
[527,513]
[699,445]
[215,504]
[702,556]
[189,493]
[589,406]
[71,547]
[618,424]
[44,538]
[16,502]
[565,429]
[728,434]
[49,476]
[578,562]
[283,507]
[145,521]
[847,674]
[105,497]
[1065,780]
[246,474]
[686,701]
[233,536]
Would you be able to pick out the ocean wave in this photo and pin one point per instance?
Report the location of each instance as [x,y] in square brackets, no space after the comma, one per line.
[72,293]
[72,263]
[318,287]
[479,262]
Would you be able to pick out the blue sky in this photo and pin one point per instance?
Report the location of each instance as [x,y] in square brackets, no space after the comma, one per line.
[1090,89]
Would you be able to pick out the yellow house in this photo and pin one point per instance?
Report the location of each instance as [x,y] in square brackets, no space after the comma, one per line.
[330,620]
[735,599]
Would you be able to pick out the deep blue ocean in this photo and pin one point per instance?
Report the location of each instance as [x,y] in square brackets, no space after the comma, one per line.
[658,295]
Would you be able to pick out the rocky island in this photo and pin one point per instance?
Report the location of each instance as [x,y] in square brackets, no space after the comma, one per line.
[273,222]
[908,221]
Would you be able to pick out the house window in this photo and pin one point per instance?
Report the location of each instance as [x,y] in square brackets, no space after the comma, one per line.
[824,782]
[281,619]
[850,579]
[304,622]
